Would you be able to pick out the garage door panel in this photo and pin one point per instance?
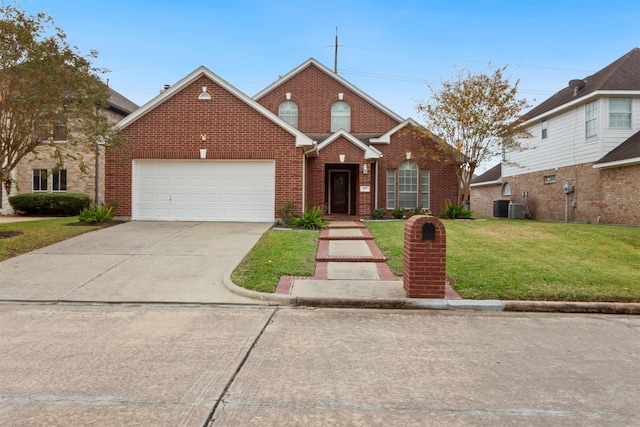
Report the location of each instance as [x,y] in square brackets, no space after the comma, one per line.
[204,190]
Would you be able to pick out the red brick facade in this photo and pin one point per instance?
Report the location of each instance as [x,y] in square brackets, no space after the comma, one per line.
[315,91]
[236,128]
[233,130]
[425,260]
[609,196]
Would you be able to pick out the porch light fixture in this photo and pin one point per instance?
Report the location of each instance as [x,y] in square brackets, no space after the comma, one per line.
[365,169]
[203,153]
[408,153]
[341,158]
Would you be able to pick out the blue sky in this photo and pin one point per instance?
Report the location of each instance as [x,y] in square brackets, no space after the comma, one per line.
[391,49]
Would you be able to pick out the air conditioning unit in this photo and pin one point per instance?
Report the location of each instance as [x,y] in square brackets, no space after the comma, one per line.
[516,211]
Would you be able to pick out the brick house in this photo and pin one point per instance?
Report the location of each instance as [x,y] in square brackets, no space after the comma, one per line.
[34,173]
[203,150]
[582,163]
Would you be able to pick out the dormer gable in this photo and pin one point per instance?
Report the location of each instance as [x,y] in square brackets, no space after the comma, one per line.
[316,90]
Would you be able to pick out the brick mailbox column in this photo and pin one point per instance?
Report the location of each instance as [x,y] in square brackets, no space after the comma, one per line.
[425,257]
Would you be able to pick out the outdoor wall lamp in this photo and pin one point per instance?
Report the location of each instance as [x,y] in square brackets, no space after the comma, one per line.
[365,169]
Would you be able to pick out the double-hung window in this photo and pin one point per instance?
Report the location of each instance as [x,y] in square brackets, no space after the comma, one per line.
[39,181]
[391,188]
[425,185]
[591,119]
[620,113]
[59,179]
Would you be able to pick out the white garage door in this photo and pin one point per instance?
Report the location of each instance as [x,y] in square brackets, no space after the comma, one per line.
[204,190]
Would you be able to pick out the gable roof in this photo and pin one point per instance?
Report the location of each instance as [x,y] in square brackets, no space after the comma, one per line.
[621,75]
[313,62]
[491,177]
[120,103]
[301,139]
[386,138]
[369,151]
[625,154]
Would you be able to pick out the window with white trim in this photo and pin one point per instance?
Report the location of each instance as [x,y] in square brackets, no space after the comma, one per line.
[39,181]
[340,116]
[620,113]
[591,119]
[59,180]
[425,188]
[288,111]
[391,188]
[408,185]
[545,129]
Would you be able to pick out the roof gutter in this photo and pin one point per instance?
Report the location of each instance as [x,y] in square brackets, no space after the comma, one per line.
[618,163]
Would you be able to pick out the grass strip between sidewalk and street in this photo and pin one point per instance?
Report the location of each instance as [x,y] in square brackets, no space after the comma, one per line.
[26,236]
[279,252]
[531,260]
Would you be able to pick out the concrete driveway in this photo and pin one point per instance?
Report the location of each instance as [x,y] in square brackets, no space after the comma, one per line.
[168,262]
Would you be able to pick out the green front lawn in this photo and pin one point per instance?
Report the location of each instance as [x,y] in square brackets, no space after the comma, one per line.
[277,253]
[531,260]
[17,238]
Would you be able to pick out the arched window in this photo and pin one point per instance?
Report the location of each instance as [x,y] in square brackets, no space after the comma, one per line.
[408,185]
[340,116]
[506,189]
[288,112]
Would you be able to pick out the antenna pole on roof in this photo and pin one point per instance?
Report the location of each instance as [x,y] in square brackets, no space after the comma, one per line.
[335,58]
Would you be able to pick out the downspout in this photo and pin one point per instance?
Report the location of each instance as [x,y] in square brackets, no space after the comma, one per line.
[304,178]
[375,184]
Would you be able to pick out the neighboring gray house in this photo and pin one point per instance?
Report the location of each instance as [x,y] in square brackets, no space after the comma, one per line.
[582,162]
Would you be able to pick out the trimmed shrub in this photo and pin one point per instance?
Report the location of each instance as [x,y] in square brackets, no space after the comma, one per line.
[379,213]
[50,204]
[397,213]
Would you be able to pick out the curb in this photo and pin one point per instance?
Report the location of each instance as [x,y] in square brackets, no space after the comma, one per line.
[574,307]
[435,304]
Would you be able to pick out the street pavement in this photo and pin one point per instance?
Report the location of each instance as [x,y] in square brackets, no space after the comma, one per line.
[182,365]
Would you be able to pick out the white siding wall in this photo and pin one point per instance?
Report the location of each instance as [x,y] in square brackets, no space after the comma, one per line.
[566,144]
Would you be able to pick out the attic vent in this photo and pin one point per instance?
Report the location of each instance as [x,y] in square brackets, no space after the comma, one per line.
[204,95]
[577,85]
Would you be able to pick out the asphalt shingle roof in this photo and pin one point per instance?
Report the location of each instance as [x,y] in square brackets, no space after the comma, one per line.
[622,74]
[629,149]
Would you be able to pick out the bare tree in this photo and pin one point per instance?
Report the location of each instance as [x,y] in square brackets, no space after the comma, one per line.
[473,119]
[46,86]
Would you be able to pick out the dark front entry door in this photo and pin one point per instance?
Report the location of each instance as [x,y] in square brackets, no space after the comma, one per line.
[339,192]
